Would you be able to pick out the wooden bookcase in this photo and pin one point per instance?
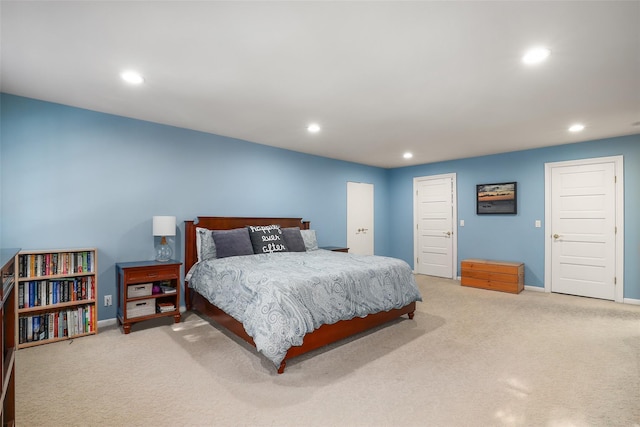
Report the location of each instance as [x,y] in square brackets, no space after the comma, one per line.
[56,295]
[8,335]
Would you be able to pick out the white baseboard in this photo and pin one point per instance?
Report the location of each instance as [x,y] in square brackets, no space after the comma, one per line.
[631,301]
[106,322]
[526,287]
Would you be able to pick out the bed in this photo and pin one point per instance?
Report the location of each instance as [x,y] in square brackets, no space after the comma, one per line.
[314,332]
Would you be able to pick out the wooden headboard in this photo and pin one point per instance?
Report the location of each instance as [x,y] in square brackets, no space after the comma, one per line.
[227,223]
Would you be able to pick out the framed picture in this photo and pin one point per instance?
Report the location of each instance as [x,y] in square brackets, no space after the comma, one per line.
[500,198]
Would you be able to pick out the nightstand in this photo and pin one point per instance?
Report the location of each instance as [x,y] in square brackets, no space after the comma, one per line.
[335,248]
[147,290]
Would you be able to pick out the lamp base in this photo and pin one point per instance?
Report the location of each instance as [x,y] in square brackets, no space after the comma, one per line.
[163,252]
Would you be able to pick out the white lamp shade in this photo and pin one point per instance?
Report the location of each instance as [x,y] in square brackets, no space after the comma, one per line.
[164,225]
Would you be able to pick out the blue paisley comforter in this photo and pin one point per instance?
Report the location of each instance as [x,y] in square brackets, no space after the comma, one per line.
[280,297]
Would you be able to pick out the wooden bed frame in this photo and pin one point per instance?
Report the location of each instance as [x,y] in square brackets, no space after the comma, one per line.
[325,334]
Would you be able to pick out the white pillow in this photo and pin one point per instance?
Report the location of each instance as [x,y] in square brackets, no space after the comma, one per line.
[310,241]
[205,246]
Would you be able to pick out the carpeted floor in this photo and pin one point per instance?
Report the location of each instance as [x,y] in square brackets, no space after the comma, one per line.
[470,357]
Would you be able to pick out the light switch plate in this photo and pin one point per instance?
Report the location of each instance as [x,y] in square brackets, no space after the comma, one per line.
[538,223]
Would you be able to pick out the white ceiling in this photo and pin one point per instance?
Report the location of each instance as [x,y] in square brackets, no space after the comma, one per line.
[441,79]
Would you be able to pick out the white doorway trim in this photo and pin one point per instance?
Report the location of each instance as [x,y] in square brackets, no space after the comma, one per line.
[619,196]
[454,219]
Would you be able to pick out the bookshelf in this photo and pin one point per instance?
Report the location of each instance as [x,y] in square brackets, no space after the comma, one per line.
[147,290]
[57,294]
[8,335]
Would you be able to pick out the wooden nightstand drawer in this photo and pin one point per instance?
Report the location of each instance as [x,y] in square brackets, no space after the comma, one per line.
[146,274]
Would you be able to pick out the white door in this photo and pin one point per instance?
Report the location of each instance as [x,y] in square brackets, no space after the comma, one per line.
[435,219]
[360,218]
[582,229]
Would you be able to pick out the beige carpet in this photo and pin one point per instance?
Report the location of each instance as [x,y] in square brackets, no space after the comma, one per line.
[470,357]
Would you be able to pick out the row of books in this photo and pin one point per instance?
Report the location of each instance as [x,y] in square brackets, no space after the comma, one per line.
[47,292]
[165,307]
[59,324]
[49,264]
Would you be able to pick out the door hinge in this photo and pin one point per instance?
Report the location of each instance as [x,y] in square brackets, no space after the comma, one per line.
[615,179]
[616,230]
[615,280]
[417,260]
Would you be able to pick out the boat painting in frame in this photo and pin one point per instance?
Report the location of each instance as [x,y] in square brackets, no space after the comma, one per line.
[499,198]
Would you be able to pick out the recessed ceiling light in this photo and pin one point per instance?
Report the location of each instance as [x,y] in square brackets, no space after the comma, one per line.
[576,128]
[536,55]
[313,128]
[132,77]
[407,155]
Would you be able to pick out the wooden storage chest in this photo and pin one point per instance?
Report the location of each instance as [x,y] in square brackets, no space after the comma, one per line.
[496,275]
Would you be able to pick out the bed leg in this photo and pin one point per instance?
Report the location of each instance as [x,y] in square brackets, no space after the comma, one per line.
[282,366]
[411,315]
[187,297]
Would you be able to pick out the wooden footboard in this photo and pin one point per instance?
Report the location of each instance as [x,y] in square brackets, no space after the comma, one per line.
[203,306]
[325,334]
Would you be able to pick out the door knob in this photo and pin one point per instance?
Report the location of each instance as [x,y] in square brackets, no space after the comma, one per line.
[448,233]
[556,236]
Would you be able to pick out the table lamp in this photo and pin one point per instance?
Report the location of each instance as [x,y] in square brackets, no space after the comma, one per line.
[164,226]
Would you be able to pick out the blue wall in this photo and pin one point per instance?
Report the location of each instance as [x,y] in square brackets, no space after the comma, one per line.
[77,178]
[73,177]
[508,237]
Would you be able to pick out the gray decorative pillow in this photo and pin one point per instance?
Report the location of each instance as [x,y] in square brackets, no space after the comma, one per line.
[232,242]
[294,240]
[267,239]
[206,247]
[310,241]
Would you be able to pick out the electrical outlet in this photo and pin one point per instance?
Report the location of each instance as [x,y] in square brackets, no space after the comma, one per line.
[107,300]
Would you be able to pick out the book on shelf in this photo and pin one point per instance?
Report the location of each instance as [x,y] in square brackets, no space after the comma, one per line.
[20,295]
[165,307]
[168,289]
[35,328]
